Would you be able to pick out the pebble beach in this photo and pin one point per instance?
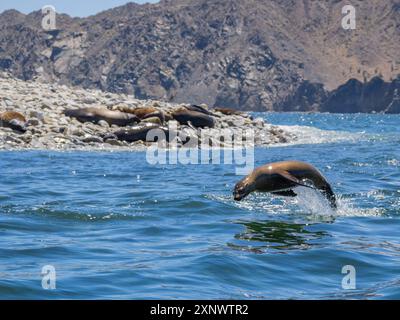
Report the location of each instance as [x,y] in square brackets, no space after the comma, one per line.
[48,128]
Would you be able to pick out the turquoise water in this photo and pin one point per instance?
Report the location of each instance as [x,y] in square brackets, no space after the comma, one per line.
[114,226]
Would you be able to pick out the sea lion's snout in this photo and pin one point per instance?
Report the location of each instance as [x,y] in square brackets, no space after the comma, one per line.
[237,196]
[242,190]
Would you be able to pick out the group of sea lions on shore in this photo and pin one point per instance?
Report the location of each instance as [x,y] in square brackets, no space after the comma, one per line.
[139,121]
[124,116]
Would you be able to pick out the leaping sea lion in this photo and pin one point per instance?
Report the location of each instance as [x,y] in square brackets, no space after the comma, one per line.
[96,114]
[13,120]
[281,177]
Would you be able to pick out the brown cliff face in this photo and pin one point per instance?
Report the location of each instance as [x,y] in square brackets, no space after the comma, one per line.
[244,54]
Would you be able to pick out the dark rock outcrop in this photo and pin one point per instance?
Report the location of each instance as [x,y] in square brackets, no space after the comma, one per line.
[307,97]
[354,96]
[373,96]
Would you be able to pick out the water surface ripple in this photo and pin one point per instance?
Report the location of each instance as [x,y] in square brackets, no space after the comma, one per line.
[114,226]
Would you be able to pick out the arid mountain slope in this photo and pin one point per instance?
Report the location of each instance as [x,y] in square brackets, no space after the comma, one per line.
[244,54]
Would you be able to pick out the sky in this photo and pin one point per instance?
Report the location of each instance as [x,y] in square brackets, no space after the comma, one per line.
[75,8]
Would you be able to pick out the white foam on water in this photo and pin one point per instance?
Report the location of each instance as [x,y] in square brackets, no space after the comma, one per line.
[394,162]
[313,202]
[312,135]
[308,202]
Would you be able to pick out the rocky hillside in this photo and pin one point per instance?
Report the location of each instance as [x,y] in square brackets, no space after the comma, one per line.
[245,54]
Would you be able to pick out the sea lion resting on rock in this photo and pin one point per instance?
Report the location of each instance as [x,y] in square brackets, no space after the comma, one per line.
[198,108]
[140,132]
[281,177]
[197,119]
[97,114]
[13,120]
[144,113]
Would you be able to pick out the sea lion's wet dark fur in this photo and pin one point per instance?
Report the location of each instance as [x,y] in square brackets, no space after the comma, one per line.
[97,114]
[197,119]
[281,177]
[139,132]
[13,120]
[197,108]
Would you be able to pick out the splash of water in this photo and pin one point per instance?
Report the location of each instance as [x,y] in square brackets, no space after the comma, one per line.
[308,202]
[312,135]
[312,201]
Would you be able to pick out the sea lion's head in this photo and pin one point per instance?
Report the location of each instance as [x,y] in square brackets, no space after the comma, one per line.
[131,119]
[243,188]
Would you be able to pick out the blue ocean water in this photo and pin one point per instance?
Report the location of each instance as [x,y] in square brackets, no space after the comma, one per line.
[115,227]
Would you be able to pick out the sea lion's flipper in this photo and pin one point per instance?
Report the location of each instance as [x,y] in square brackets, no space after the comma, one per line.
[191,126]
[293,179]
[286,193]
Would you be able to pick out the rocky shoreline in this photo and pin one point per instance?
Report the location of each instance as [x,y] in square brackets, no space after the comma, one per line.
[49,128]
